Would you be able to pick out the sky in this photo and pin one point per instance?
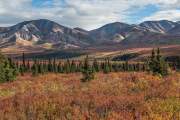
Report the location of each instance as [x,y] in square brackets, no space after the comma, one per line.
[88,14]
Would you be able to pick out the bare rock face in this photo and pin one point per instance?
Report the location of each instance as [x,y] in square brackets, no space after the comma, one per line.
[160,26]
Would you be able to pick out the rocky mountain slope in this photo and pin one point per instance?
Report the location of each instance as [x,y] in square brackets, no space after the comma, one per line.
[160,26]
[43,31]
[175,30]
[47,34]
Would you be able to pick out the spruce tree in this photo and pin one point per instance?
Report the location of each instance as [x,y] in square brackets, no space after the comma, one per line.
[60,67]
[56,69]
[126,66]
[116,67]
[134,67]
[15,69]
[68,68]
[138,67]
[106,68]
[35,69]
[143,69]
[93,69]
[159,64]
[28,66]
[22,70]
[123,67]
[9,77]
[152,64]
[87,71]
[54,64]
[24,65]
[178,63]
[80,67]
[96,66]
[50,66]
[2,72]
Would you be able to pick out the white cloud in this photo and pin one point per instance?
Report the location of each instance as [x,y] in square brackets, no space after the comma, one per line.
[87,14]
[172,15]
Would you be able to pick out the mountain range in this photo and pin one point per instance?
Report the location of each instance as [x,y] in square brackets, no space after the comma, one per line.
[48,34]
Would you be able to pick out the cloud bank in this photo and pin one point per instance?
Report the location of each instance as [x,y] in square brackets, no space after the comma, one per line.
[86,14]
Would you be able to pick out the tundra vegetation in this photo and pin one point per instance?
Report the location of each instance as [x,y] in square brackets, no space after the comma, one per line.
[83,91]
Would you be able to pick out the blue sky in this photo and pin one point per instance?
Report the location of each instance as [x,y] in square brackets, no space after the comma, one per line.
[88,14]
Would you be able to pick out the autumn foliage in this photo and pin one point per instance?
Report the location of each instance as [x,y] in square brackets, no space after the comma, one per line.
[118,95]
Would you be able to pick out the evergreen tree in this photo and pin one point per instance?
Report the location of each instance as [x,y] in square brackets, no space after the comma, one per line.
[17,65]
[28,66]
[93,69]
[167,71]
[54,64]
[126,66]
[138,67]
[68,68]
[50,66]
[8,72]
[178,63]
[73,66]
[55,69]
[143,69]
[116,67]
[148,67]
[10,62]
[123,67]
[2,72]
[87,72]
[41,68]
[130,67]
[35,69]
[80,67]
[152,64]
[96,66]
[60,67]
[134,67]
[106,68]
[24,65]
[159,63]
[22,70]
[15,69]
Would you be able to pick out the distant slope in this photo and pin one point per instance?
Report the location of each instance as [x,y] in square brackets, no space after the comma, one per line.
[175,30]
[160,26]
[43,31]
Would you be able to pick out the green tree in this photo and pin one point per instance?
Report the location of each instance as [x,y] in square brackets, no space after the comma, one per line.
[28,66]
[144,68]
[87,72]
[134,67]
[24,64]
[68,68]
[50,66]
[22,70]
[126,66]
[60,67]
[93,69]
[159,63]
[2,72]
[106,68]
[138,67]
[153,61]
[35,69]
[116,67]
[15,69]
[178,63]
[9,77]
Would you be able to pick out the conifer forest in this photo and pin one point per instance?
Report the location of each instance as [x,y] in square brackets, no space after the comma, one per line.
[89,90]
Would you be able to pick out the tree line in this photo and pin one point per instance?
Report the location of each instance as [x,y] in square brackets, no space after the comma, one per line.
[156,65]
